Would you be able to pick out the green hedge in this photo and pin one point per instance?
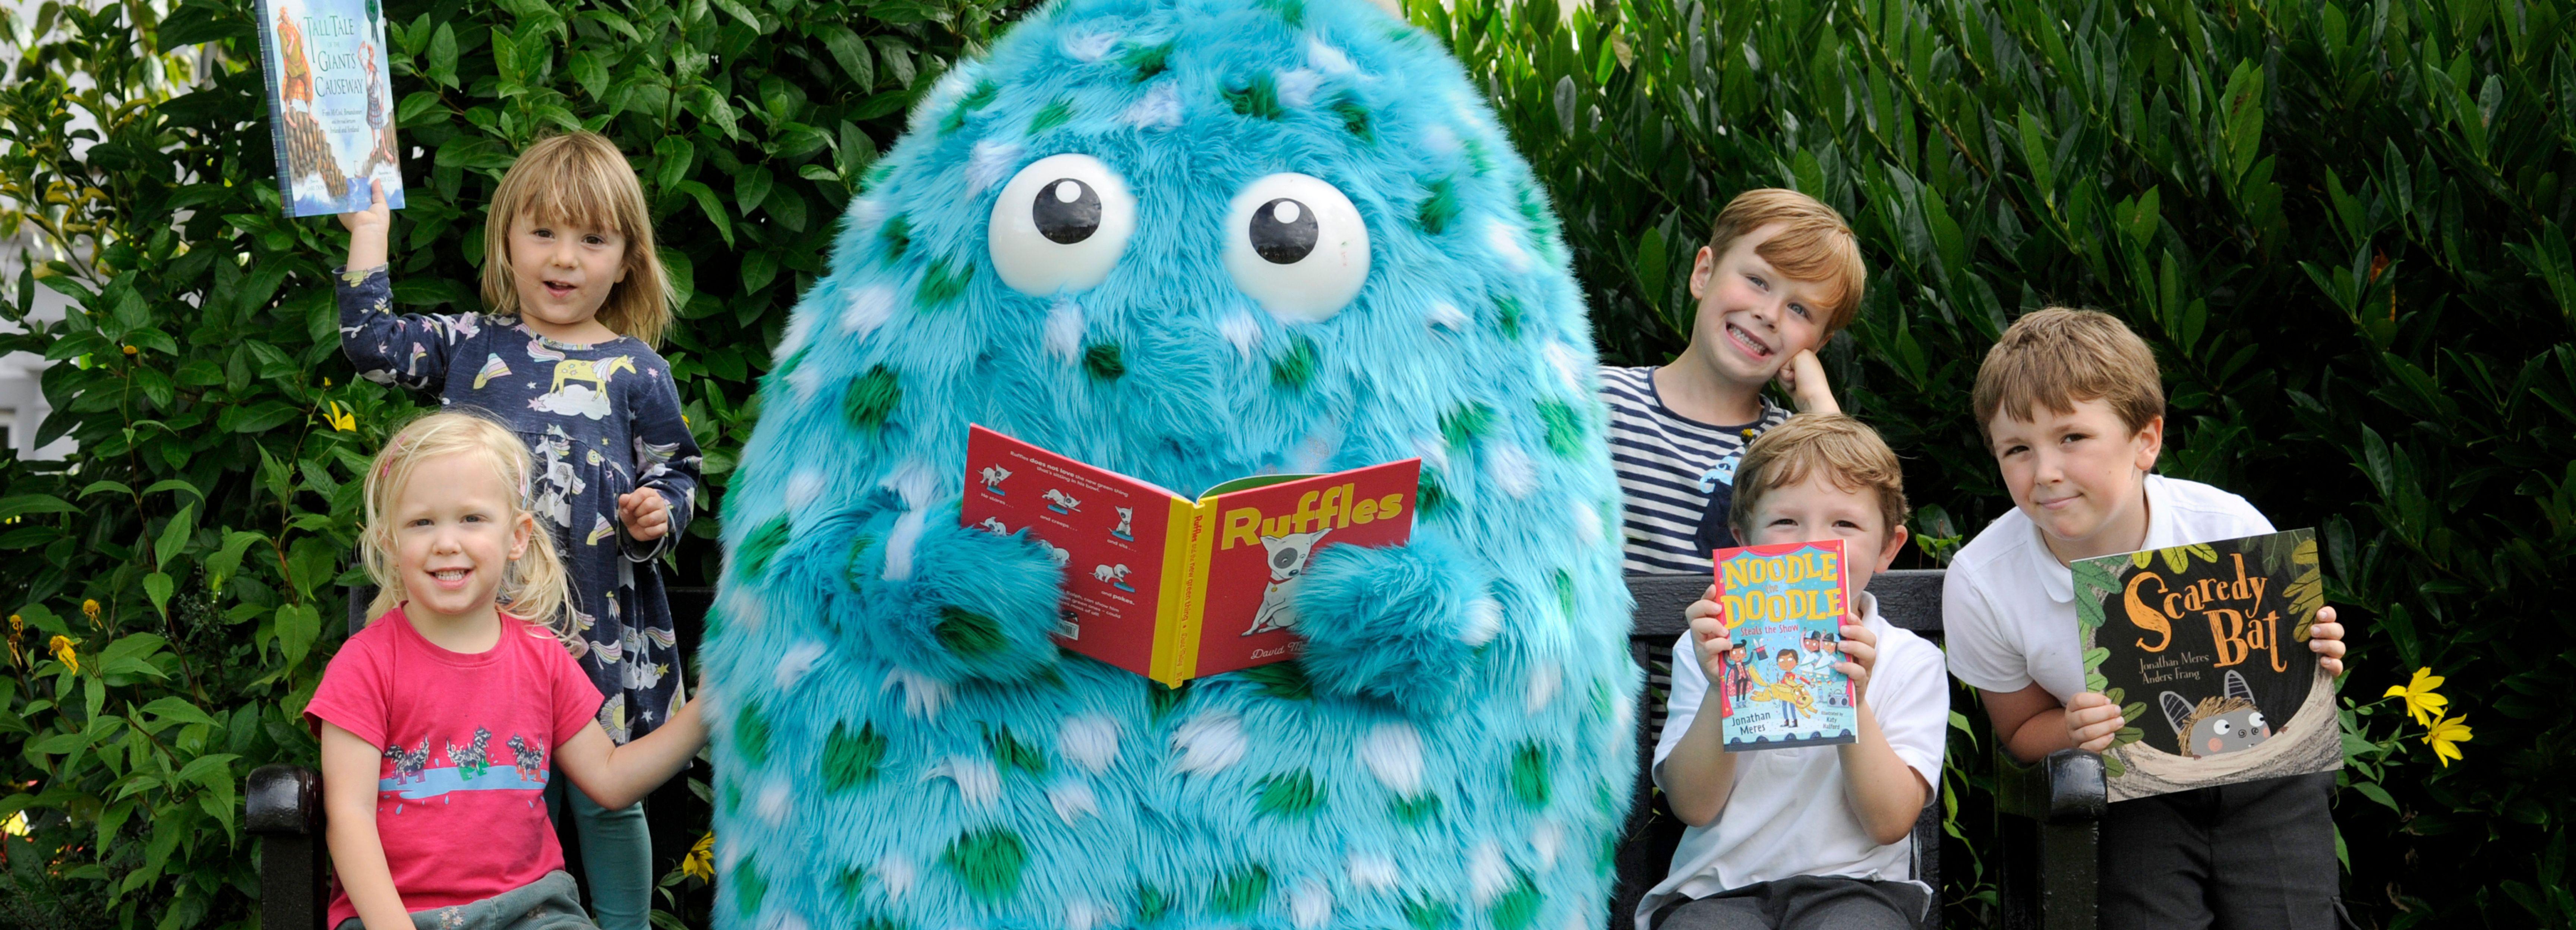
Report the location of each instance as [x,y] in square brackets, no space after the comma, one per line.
[2341,226]
[212,503]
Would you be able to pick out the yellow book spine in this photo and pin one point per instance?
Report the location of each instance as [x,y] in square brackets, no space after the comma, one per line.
[1202,542]
[1168,663]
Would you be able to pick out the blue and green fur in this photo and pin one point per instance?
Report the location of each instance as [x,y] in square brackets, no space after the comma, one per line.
[900,744]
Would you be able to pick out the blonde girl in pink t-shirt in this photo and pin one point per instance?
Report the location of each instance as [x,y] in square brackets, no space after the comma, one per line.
[442,720]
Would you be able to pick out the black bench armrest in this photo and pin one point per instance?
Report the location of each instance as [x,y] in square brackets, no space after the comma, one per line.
[285,811]
[2065,787]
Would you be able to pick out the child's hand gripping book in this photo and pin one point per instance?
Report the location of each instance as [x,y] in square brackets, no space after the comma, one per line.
[1784,611]
[1174,588]
[330,103]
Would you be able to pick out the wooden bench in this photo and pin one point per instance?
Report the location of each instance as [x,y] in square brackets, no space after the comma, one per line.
[2046,868]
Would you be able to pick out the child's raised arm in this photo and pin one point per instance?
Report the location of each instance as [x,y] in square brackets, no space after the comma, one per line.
[387,347]
[349,774]
[615,776]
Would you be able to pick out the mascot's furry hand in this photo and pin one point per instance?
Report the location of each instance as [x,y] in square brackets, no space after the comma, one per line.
[946,601]
[1397,623]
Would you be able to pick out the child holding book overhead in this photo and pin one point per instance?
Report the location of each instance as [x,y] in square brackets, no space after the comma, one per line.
[575,298]
[443,721]
[1808,836]
[2072,406]
[1781,273]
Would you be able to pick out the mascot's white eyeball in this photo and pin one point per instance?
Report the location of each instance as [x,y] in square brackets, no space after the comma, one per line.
[1296,245]
[2219,727]
[1060,225]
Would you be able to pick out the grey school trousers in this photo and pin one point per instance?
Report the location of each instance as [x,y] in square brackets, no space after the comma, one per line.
[2255,856]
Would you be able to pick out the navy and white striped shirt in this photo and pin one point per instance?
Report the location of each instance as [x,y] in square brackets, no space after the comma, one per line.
[1671,469]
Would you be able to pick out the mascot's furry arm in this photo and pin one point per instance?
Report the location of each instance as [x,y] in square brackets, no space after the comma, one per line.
[919,592]
[1399,623]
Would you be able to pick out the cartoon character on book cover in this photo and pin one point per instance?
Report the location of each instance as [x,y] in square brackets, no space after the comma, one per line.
[1185,241]
[2203,647]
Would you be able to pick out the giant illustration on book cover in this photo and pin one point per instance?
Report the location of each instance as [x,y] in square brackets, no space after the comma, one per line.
[330,102]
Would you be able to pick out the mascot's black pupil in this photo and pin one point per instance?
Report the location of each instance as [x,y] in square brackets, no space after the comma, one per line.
[1067,211]
[1283,231]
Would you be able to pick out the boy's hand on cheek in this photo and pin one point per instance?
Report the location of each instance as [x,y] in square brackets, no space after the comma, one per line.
[1708,633]
[2092,720]
[1860,655]
[646,515]
[1804,377]
[2325,638]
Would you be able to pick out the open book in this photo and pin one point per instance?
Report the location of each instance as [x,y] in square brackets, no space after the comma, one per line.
[1785,605]
[1172,587]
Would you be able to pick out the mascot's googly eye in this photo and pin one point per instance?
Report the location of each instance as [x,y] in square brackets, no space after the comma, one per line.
[2254,720]
[2219,727]
[1296,245]
[1060,225]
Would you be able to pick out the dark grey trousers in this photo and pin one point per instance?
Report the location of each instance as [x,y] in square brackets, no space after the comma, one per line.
[548,903]
[2255,856]
[1801,902]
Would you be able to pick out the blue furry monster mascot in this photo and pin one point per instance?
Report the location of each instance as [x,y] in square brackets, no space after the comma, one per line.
[1187,240]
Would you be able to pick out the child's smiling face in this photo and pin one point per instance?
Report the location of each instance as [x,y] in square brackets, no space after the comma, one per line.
[2079,474]
[563,272]
[1753,318]
[455,532]
[1818,509]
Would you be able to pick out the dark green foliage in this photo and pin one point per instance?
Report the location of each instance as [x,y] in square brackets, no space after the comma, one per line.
[988,863]
[763,545]
[967,633]
[852,760]
[2341,226]
[1102,361]
[1240,892]
[871,399]
[1293,793]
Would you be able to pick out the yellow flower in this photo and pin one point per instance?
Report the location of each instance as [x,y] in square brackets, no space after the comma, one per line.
[62,647]
[2445,735]
[129,350]
[16,825]
[701,861]
[89,608]
[345,421]
[2420,699]
[16,623]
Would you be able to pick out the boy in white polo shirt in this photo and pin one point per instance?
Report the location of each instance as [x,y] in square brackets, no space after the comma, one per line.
[2072,408]
[1814,836]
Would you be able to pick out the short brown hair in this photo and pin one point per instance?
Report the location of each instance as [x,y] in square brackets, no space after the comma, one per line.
[1846,450]
[1814,244]
[2057,358]
[581,178]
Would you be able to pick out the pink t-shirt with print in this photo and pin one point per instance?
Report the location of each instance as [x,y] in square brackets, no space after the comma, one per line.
[468,741]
